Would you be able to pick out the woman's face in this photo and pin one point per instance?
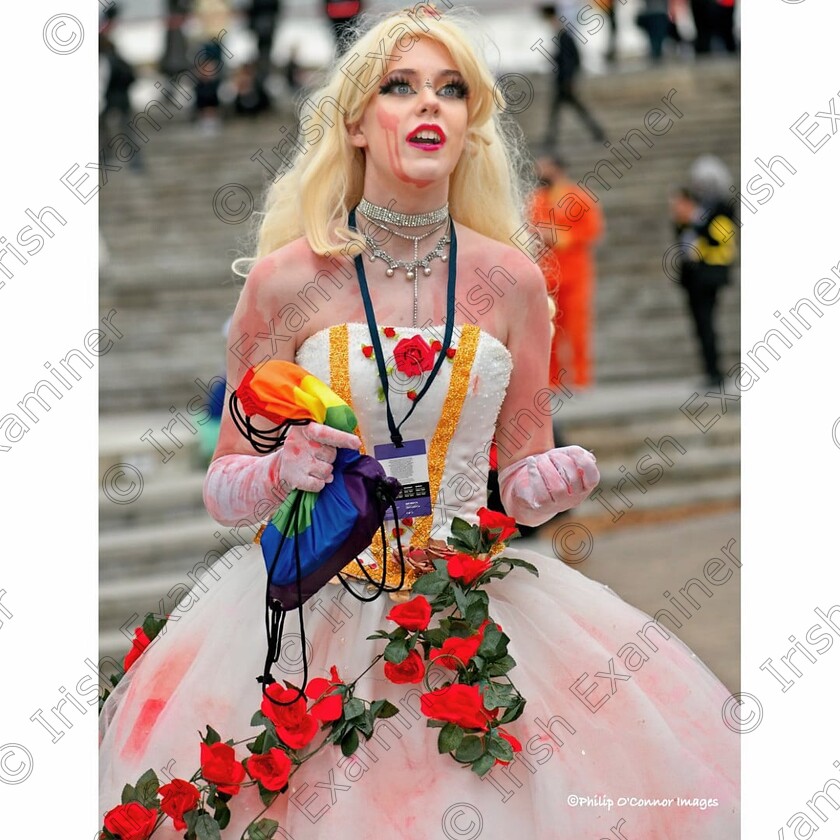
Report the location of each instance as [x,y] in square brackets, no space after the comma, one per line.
[414,127]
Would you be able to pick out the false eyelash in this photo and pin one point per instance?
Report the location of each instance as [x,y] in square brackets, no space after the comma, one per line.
[462,87]
[392,82]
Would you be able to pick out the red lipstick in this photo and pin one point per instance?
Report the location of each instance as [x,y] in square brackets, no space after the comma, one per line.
[426,146]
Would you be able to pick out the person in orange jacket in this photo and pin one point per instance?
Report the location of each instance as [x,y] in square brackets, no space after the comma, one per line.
[570,224]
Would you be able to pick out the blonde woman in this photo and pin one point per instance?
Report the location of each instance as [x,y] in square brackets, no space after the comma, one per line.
[383,148]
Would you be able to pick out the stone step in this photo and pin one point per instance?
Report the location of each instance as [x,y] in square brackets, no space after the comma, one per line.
[166,497]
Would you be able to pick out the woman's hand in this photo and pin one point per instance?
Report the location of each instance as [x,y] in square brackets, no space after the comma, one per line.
[537,487]
[309,453]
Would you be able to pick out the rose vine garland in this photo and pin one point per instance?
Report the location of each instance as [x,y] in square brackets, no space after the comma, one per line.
[469,708]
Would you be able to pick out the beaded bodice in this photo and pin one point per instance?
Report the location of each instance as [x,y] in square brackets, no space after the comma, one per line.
[456,416]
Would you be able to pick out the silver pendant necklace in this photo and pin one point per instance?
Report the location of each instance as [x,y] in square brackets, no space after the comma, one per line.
[378,214]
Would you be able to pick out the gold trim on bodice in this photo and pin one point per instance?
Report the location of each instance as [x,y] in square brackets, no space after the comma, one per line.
[339,358]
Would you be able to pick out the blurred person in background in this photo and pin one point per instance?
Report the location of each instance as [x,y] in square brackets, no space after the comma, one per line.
[654,20]
[262,21]
[570,232]
[342,14]
[251,98]
[705,230]
[174,59]
[213,17]
[566,67]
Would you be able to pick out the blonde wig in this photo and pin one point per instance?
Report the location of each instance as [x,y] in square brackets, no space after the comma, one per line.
[326,177]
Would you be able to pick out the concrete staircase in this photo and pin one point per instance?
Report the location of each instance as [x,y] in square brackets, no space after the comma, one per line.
[167,276]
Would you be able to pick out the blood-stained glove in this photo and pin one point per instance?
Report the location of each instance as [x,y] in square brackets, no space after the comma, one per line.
[247,488]
[536,488]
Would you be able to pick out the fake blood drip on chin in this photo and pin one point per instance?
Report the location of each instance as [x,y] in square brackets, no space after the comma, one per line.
[390,123]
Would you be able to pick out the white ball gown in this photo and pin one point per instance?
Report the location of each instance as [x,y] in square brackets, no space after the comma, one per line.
[618,711]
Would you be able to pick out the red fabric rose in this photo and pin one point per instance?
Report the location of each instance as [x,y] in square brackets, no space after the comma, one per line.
[411,670]
[327,708]
[288,714]
[138,644]
[271,770]
[367,349]
[413,355]
[459,704]
[132,821]
[456,652]
[390,332]
[436,345]
[408,521]
[493,519]
[466,568]
[301,733]
[412,395]
[178,798]
[219,766]
[512,740]
[413,615]
[450,352]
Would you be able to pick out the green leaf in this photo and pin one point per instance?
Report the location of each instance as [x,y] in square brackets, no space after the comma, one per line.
[379,634]
[470,748]
[353,708]
[494,644]
[435,724]
[257,747]
[263,830]
[450,737]
[259,719]
[513,712]
[206,828]
[522,564]
[501,666]
[222,814]
[399,633]
[483,764]
[460,526]
[431,584]
[460,598]
[476,611]
[212,737]
[497,695]
[267,796]
[435,637]
[152,626]
[386,710]
[499,748]
[396,651]
[128,795]
[146,789]
[365,725]
[350,742]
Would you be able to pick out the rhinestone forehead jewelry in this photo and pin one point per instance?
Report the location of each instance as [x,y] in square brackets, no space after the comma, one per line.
[428,84]
[385,214]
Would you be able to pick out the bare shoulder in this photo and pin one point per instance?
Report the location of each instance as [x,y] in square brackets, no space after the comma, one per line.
[488,254]
[279,276]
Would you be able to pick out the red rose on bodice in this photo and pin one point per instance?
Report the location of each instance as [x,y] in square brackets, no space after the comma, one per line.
[178,798]
[413,355]
[459,704]
[132,821]
[219,766]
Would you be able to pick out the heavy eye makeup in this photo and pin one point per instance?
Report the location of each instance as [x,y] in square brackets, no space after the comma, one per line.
[455,88]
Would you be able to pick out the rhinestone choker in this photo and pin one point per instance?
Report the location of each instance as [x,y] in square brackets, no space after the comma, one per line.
[384,214]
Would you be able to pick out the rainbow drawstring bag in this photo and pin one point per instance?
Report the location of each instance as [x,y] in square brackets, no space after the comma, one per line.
[312,536]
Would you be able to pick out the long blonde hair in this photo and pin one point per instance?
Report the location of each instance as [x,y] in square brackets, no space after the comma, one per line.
[326,177]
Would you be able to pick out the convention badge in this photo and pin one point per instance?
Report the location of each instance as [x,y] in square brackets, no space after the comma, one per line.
[409,464]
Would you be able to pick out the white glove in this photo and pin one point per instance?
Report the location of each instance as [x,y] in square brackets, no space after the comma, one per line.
[243,488]
[536,488]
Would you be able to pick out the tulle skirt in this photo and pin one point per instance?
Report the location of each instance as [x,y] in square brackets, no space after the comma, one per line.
[622,735]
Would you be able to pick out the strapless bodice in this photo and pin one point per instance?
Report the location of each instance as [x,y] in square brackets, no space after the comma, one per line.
[456,416]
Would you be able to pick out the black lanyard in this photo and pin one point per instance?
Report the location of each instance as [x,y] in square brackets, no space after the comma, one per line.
[393,428]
